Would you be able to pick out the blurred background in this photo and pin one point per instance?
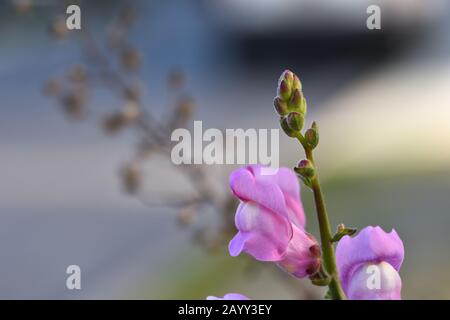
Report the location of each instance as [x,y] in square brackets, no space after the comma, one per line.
[86,116]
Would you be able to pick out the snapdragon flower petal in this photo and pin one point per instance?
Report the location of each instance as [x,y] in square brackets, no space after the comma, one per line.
[375,282]
[247,186]
[302,256]
[371,245]
[279,192]
[263,234]
[229,296]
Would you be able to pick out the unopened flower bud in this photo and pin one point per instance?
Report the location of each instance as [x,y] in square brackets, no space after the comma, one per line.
[295,121]
[286,128]
[288,75]
[342,231]
[285,85]
[281,106]
[312,136]
[306,169]
[284,90]
[302,106]
[296,100]
[296,84]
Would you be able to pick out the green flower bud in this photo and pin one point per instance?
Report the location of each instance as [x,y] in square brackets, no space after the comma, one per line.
[284,125]
[305,169]
[312,136]
[321,282]
[285,85]
[284,90]
[288,75]
[296,84]
[296,100]
[342,231]
[281,106]
[306,181]
[302,106]
[295,121]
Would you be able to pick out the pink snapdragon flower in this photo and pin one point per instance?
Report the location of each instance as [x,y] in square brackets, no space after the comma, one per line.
[270,220]
[229,296]
[369,264]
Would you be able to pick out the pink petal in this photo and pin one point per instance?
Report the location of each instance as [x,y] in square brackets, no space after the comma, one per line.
[371,245]
[279,192]
[249,187]
[229,296]
[287,181]
[263,234]
[300,260]
[375,282]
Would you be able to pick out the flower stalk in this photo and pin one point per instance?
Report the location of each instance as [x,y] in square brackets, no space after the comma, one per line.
[292,120]
[328,256]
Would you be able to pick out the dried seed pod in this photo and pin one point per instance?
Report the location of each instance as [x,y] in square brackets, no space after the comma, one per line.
[113,123]
[23,6]
[58,28]
[74,104]
[132,93]
[185,108]
[52,87]
[77,73]
[131,177]
[130,111]
[131,59]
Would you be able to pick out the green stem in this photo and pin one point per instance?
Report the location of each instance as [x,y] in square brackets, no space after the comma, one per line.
[328,256]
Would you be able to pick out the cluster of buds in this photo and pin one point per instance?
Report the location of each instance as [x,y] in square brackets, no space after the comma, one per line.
[119,120]
[71,91]
[290,103]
